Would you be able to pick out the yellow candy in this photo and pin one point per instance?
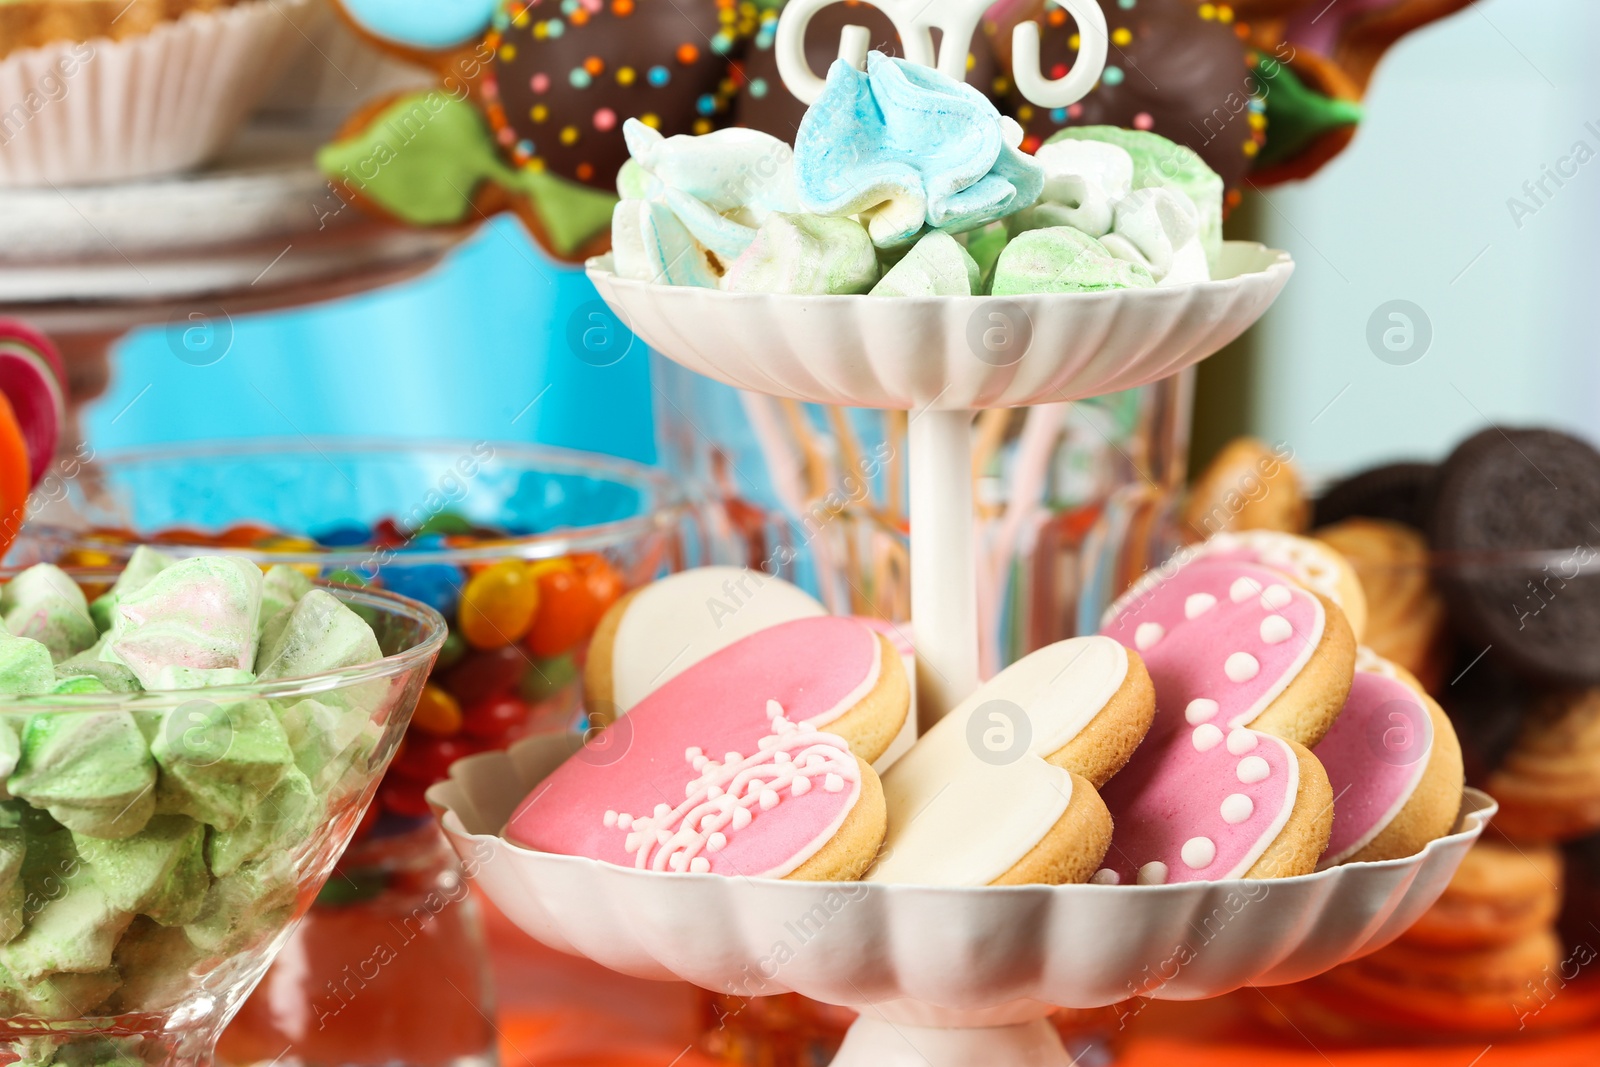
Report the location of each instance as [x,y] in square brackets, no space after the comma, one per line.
[498,605]
[437,713]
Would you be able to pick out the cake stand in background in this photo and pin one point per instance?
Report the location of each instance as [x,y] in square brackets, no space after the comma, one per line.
[258,230]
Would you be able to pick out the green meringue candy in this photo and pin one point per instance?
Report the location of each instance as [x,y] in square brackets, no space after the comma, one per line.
[91,771]
[26,667]
[143,565]
[159,872]
[44,604]
[154,962]
[218,761]
[320,635]
[332,746]
[13,849]
[1060,259]
[72,924]
[284,818]
[1162,164]
[243,907]
[200,613]
[937,265]
[169,679]
[60,997]
[281,588]
[808,255]
[90,664]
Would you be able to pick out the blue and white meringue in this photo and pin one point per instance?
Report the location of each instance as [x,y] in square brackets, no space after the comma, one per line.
[908,149]
[650,244]
[719,187]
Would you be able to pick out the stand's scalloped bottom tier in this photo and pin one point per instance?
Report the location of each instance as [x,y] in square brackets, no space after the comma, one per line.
[926,956]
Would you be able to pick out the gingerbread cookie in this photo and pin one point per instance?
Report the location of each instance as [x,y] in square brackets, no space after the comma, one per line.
[1001,790]
[666,627]
[740,765]
[1548,785]
[1248,486]
[1248,668]
[1395,766]
[1406,621]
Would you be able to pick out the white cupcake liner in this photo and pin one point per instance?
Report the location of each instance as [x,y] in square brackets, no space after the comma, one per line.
[87,113]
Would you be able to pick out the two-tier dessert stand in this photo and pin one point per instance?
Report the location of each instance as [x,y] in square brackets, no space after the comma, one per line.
[941,976]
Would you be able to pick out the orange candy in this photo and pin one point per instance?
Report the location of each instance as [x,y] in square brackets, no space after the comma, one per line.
[498,605]
[437,713]
[567,612]
[15,476]
[604,583]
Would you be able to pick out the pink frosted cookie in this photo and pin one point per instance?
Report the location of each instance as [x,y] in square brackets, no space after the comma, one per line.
[658,631]
[736,766]
[1246,664]
[1395,765]
[1313,564]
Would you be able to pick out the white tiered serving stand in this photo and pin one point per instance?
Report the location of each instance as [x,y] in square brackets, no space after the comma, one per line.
[942,976]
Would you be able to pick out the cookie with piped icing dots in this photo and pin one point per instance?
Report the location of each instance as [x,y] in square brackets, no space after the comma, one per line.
[1395,766]
[1249,669]
[739,765]
[1313,564]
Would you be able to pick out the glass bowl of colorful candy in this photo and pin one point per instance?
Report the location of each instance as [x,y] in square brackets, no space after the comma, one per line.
[187,748]
[521,548]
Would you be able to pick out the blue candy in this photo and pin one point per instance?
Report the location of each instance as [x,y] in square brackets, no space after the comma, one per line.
[429,25]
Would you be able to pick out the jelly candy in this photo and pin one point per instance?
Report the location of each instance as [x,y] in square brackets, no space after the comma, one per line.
[498,605]
[437,712]
[345,535]
[496,719]
[482,675]
[548,677]
[567,613]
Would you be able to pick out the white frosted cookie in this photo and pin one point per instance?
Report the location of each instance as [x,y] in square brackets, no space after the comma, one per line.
[659,631]
[1001,791]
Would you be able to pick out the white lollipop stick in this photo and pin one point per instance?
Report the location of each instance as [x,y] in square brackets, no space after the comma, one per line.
[1026,68]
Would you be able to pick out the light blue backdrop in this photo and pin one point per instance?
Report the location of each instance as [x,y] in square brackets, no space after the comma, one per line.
[477,349]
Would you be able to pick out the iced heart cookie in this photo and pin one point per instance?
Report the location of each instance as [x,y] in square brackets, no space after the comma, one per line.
[1083,705]
[666,627]
[737,766]
[1248,667]
[1001,790]
[1395,766]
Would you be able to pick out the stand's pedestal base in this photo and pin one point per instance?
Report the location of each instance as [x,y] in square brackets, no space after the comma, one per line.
[876,1043]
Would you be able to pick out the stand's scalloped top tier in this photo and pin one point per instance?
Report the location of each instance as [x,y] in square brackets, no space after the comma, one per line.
[949,353]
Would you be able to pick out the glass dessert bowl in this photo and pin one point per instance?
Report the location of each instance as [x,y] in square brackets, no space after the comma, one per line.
[137,926]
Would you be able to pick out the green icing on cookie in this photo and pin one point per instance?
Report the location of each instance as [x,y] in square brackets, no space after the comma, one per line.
[424,157]
[1296,113]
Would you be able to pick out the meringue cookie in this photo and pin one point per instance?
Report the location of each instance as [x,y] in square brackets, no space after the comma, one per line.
[721,186]
[1162,164]
[199,613]
[1159,230]
[937,265]
[1060,259]
[905,147]
[1083,181]
[650,244]
[806,254]
[46,605]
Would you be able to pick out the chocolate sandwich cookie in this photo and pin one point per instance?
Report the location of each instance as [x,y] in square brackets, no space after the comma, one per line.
[1534,494]
[1398,492]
